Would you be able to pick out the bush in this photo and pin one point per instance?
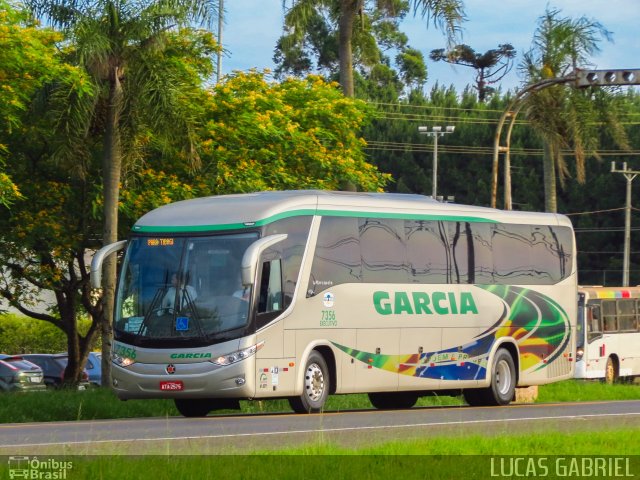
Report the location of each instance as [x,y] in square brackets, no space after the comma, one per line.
[20,334]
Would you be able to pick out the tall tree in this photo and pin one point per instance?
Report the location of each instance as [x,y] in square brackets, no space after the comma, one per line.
[490,66]
[567,118]
[352,19]
[122,45]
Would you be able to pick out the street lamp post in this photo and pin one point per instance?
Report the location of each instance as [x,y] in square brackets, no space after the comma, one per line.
[580,78]
[435,132]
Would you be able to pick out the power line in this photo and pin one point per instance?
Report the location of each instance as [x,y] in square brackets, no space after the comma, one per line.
[594,211]
[472,149]
[605,252]
[603,229]
[474,110]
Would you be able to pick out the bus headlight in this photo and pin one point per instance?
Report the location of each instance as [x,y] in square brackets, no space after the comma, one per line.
[579,354]
[234,357]
[122,361]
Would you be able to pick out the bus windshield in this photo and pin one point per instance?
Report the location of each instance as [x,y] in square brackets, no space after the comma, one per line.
[174,288]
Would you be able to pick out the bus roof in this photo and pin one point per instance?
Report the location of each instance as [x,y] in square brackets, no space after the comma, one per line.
[227,212]
[610,292]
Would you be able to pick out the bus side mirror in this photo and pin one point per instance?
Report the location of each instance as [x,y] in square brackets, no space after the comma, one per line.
[252,254]
[98,259]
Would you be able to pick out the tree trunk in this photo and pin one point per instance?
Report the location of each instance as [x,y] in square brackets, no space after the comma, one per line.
[73,372]
[77,346]
[348,11]
[111,168]
[549,174]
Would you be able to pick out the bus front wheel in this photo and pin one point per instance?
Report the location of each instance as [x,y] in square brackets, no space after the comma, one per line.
[503,383]
[315,389]
[393,400]
[193,407]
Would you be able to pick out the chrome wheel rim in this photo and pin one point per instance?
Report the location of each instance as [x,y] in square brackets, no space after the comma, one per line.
[314,382]
[503,377]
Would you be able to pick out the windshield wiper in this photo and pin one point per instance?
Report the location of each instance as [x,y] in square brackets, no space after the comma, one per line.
[192,309]
[157,298]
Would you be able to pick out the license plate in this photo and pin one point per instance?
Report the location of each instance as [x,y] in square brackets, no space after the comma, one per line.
[35,379]
[172,386]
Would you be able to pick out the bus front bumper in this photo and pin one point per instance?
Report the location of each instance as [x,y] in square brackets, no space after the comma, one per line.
[184,380]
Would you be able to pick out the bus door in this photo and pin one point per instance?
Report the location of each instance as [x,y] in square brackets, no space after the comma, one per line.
[580,327]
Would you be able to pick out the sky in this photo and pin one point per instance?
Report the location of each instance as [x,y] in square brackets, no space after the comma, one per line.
[252,28]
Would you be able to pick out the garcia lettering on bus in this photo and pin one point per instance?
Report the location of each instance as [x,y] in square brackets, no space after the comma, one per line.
[417,303]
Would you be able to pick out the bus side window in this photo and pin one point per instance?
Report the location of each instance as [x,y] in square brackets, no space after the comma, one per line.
[627,315]
[270,294]
[594,327]
[609,316]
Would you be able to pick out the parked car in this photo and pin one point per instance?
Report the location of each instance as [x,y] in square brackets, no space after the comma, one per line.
[18,374]
[53,366]
[94,368]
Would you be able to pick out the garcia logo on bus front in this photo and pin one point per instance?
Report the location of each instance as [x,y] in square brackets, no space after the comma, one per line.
[418,303]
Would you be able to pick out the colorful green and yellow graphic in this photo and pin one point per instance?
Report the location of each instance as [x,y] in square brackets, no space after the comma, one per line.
[538,324]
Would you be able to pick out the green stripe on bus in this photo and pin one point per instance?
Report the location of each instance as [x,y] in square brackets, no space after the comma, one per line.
[298,213]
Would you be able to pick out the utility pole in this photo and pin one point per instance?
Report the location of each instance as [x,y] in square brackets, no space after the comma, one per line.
[220,21]
[629,175]
[435,132]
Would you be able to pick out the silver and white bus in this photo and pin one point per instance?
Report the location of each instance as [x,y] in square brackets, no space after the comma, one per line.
[608,333]
[302,294]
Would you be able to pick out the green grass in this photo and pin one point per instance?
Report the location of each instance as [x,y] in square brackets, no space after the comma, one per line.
[101,403]
[587,391]
[606,442]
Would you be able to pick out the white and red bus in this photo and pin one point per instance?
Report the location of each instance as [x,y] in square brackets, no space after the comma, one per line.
[608,333]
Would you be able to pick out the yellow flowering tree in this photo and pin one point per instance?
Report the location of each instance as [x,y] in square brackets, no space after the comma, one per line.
[297,134]
[27,60]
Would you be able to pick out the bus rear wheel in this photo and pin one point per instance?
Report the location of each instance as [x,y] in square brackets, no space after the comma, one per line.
[503,383]
[315,386]
[393,400]
[611,371]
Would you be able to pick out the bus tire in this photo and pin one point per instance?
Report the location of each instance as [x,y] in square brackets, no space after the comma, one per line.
[503,383]
[315,388]
[474,397]
[393,400]
[193,407]
[611,371]
[503,378]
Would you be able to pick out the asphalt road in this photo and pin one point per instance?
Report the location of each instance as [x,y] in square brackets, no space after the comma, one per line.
[244,433]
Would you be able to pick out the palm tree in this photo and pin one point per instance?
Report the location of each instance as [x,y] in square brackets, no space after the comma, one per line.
[121,45]
[566,118]
[303,14]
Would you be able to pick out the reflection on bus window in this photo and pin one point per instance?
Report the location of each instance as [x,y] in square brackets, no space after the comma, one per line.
[627,315]
[594,328]
[610,320]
